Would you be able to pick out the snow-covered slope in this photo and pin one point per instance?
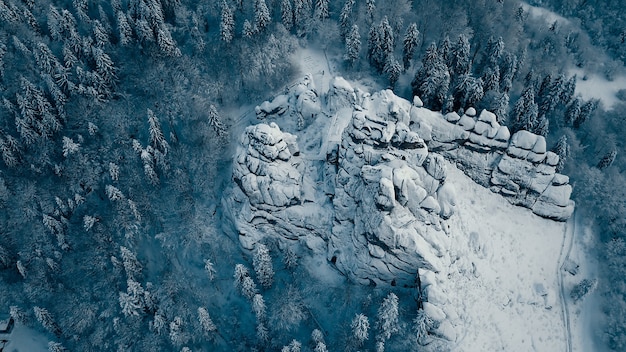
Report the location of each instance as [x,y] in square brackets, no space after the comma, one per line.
[352,178]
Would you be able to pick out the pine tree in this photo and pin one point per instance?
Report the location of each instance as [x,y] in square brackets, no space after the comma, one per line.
[45,318]
[562,150]
[444,48]
[494,50]
[460,57]
[205,321]
[258,307]
[227,24]
[344,18]
[468,91]
[573,111]
[508,71]
[157,139]
[262,263]
[131,264]
[370,10]
[353,45]
[100,33]
[388,316]
[55,347]
[422,325]
[210,269]
[360,328]
[432,81]
[543,127]
[586,111]
[261,15]
[166,42]
[321,9]
[409,44]
[607,160]
[286,14]
[525,111]
[215,120]
[393,69]
[248,29]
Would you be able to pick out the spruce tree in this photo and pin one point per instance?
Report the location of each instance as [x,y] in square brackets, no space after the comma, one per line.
[261,15]
[262,263]
[321,9]
[432,81]
[360,328]
[562,150]
[525,111]
[286,14]
[344,18]
[388,317]
[460,58]
[227,24]
[607,160]
[393,69]
[409,44]
[353,46]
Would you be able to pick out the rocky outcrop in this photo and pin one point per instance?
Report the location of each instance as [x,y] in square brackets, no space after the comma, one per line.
[518,167]
[301,101]
[370,190]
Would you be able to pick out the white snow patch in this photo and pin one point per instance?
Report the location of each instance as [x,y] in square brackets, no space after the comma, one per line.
[598,87]
[537,12]
[507,259]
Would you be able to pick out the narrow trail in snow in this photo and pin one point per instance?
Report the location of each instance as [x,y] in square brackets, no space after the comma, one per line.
[568,240]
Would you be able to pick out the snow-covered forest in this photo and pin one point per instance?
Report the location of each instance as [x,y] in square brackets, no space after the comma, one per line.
[122,124]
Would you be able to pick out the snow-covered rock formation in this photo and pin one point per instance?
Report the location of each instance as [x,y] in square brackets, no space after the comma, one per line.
[369,191]
[519,167]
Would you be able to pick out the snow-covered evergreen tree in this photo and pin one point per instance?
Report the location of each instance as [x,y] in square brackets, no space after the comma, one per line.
[461,61]
[345,17]
[262,263]
[573,111]
[321,9]
[468,91]
[157,139]
[607,160]
[422,325]
[45,318]
[205,321]
[227,24]
[411,38]
[432,81]
[210,269]
[370,10]
[55,347]
[248,29]
[562,150]
[388,316]
[525,111]
[586,111]
[215,120]
[353,45]
[393,69]
[261,15]
[258,307]
[286,14]
[360,328]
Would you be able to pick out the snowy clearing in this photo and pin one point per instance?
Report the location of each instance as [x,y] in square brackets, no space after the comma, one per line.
[505,278]
[598,87]
[541,12]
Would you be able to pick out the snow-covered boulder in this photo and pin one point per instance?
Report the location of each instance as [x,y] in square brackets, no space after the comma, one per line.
[262,168]
[340,95]
[388,215]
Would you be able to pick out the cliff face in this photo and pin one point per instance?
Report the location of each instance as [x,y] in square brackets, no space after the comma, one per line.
[365,185]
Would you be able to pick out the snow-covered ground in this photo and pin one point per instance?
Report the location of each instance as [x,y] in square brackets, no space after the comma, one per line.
[540,12]
[24,339]
[507,261]
[598,87]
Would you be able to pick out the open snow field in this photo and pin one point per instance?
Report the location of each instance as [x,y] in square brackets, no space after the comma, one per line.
[598,87]
[505,279]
